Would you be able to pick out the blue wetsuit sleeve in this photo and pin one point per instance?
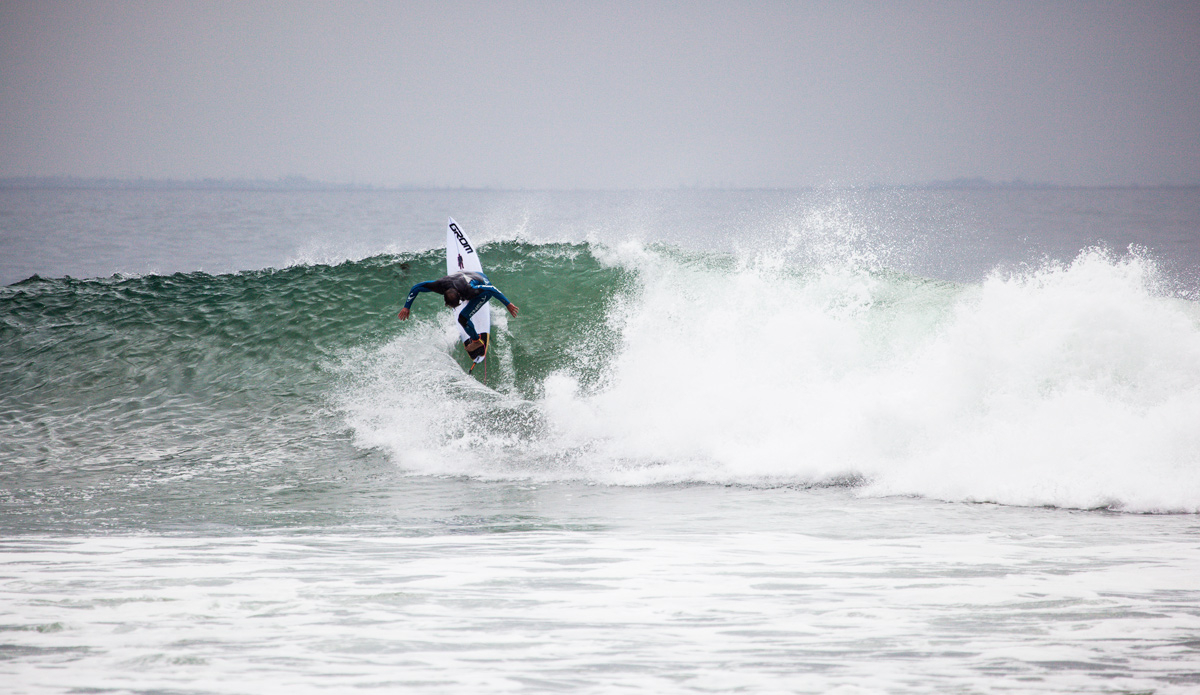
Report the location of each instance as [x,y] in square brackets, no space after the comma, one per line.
[417,289]
[490,292]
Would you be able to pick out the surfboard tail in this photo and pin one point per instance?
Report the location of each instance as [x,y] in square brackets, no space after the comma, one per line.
[478,353]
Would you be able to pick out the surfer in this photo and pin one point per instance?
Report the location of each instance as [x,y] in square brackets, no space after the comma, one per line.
[474,288]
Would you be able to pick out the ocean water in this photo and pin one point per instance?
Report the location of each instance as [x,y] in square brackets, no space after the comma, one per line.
[894,441]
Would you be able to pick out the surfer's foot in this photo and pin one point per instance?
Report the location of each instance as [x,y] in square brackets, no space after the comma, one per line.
[474,344]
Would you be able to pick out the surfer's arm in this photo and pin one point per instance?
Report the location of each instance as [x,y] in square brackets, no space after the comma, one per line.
[417,289]
[412,294]
[491,292]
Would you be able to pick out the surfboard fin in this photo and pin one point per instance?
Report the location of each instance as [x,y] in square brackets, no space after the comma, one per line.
[479,353]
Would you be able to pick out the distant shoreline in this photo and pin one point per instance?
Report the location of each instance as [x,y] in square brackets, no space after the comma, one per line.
[293,183]
[299,183]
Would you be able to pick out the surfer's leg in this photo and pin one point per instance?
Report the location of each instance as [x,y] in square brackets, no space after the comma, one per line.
[464,317]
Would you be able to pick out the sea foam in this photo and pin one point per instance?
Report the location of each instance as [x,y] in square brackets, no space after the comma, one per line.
[1072,385]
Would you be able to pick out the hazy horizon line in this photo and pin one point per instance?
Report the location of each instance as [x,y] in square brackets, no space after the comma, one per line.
[303,183]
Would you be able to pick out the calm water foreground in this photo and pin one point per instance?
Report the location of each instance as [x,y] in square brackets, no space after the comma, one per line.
[499,587]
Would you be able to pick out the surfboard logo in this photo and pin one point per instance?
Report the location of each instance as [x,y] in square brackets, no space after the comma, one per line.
[462,240]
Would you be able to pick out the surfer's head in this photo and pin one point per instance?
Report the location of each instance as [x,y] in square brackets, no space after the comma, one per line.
[452,298]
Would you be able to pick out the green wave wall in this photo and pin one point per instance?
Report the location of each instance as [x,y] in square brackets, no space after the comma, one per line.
[116,370]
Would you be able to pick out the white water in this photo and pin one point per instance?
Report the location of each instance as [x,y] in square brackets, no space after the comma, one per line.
[660,589]
[1072,385]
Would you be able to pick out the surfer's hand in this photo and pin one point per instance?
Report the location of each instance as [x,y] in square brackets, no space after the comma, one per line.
[404,314]
[512,309]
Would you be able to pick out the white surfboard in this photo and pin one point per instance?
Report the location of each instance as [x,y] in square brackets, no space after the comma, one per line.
[461,256]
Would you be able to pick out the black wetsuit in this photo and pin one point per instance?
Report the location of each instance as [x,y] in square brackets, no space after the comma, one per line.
[474,288]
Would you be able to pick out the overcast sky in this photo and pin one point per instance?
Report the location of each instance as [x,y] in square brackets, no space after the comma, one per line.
[603,94]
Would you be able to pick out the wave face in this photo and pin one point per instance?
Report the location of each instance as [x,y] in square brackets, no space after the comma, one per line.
[1072,385]
[181,370]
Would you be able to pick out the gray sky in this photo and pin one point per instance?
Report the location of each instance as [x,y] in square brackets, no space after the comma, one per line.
[603,94]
